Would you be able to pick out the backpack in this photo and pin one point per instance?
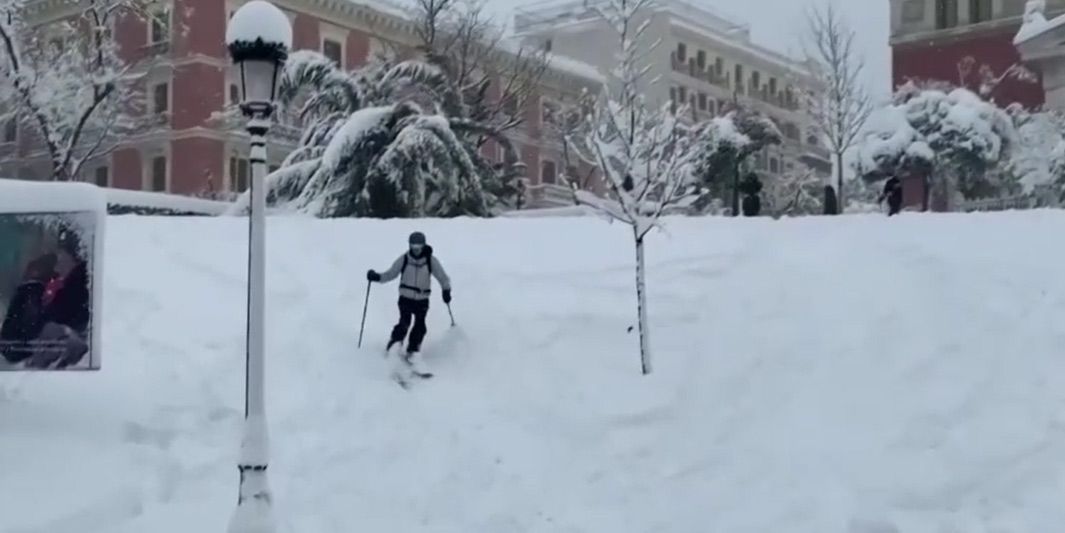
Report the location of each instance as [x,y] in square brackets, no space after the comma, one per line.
[428,260]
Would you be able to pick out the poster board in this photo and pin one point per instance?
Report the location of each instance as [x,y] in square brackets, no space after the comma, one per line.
[51,275]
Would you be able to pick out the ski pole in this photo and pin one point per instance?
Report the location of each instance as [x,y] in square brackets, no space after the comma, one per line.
[364,307]
[452,315]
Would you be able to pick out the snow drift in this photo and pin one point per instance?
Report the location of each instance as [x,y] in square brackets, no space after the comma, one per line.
[851,375]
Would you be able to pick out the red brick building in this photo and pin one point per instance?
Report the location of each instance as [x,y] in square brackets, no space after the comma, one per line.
[932,39]
[182,143]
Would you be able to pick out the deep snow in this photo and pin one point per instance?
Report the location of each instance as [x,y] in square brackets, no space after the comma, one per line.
[839,374]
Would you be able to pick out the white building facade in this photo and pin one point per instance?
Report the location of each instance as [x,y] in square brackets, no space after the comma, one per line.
[703,59]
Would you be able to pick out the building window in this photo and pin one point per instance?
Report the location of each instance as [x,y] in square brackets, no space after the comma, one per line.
[161,98]
[756,80]
[547,172]
[719,66]
[702,101]
[682,95]
[160,27]
[102,177]
[773,86]
[979,11]
[913,11]
[11,130]
[946,14]
[700,59]
[682,52]
[334,51]
[239,172]
[159,173]
[774,165]
[234,93]
[738,77]
[547,46]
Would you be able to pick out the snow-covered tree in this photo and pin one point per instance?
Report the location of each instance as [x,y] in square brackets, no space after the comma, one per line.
[495,76]
[722,147]
[377,143]
[403,138]
[643,152]
[1038,158]
[64,80]
[955,139]
[796,192]
[838,103]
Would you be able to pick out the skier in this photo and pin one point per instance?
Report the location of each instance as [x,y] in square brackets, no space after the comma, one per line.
[893,193]
[414,269]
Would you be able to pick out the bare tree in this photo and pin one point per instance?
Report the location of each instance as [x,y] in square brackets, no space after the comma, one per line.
[65,79]
[838,103]
[643,153]
[495,77]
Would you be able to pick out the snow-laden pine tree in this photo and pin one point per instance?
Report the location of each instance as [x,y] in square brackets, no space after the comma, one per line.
[64,80]
[958,141]
[381,142]
[642,151]
[722,147]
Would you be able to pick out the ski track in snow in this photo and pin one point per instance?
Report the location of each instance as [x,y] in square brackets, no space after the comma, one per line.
[836,374]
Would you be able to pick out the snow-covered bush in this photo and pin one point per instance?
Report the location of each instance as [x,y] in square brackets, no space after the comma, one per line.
[1038,159]
[722,146]
[958,141]
[793,193]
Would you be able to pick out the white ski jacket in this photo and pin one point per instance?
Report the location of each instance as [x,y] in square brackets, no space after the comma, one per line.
[414,275]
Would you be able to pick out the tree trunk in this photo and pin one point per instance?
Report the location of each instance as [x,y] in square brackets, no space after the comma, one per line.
[641,308]
[841,203]
[927,193]
[736,190]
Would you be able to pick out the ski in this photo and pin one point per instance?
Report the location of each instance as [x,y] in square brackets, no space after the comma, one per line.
[405,376]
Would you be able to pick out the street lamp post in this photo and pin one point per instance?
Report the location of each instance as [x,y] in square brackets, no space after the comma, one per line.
[259,37]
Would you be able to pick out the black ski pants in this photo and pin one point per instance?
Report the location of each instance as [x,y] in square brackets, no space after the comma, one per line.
[409,308]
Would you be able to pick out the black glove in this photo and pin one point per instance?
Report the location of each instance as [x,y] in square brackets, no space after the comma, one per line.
[447,296]
[373,276]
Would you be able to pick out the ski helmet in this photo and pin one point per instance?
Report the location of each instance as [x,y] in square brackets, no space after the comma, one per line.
[416,238]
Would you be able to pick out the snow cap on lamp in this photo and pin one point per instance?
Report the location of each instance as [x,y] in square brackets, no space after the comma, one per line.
[259,37]
[259,20]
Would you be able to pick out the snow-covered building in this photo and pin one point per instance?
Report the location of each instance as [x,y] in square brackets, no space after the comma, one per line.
[932,39]
[1039,42]
[184,144]
[704,58]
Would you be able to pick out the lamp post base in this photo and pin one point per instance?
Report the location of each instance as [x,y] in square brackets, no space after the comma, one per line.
[254,513]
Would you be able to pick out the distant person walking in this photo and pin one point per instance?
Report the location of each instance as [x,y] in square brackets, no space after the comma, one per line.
[893,194]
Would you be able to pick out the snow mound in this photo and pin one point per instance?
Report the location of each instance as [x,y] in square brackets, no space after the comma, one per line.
[259,19]
[833,375]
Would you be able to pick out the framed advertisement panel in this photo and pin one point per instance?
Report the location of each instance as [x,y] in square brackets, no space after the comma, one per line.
[51,259]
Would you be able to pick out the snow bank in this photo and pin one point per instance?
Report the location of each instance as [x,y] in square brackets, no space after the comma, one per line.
[932,403]
[162,201]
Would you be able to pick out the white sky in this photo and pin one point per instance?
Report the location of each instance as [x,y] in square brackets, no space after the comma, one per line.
[779,24]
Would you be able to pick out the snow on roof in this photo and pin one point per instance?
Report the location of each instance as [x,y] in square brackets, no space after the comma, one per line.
[385,6]
[1035,22]
[19,196]
[557,62]
[259,19]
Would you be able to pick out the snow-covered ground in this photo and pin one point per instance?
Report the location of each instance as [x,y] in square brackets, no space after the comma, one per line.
[846,374]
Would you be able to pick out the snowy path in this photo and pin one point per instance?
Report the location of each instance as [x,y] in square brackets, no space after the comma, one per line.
[866,377]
